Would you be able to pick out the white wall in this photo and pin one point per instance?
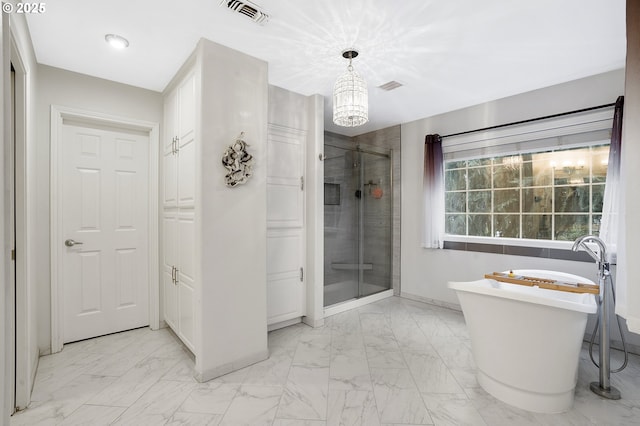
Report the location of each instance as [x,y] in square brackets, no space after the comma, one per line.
[65,88]
[629,167]
[23,57]
[232,324]
[5,323]
[315,212]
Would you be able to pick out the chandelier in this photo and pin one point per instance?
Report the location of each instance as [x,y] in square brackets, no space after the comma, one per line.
[350,96]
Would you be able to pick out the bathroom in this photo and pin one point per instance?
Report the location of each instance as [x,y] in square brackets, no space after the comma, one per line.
[380,178]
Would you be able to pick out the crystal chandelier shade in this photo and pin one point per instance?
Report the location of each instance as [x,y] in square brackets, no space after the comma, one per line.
[350,97]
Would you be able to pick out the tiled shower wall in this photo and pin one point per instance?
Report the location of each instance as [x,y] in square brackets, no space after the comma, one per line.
[345,226]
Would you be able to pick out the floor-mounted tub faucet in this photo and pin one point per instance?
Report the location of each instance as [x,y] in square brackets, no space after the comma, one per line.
[581,243]
[603,387]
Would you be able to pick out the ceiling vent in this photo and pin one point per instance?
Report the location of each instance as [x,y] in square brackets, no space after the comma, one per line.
[248,9]
[390,85]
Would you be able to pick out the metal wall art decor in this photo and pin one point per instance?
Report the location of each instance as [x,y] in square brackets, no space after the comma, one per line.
[238,162]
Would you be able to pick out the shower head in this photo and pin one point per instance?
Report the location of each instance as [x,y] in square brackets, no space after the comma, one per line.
[581,242]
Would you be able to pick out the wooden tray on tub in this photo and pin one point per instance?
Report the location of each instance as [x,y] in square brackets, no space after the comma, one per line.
[544,283]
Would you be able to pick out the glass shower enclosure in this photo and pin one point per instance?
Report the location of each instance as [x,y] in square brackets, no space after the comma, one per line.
[358,212]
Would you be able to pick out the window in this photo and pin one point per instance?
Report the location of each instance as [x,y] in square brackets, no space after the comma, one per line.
[541,180]
[552,195]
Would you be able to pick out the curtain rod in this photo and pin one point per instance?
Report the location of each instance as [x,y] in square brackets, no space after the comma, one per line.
[530,120]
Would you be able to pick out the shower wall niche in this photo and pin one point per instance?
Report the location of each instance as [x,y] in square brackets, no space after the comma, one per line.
[361,215]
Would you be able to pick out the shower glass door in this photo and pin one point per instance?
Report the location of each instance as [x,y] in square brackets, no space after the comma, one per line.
[358,220]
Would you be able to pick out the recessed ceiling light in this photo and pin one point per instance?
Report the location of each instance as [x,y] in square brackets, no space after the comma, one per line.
[116,41]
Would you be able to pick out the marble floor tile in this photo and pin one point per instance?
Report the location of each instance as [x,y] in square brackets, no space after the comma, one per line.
[163,398]
[393,362]
[410,336]
[287,337]
[209,398]
[235,377]
[142,419]
[385,359]
[453,352]
[466,377]
[434,327]
[272,371]
[94,415]
[383,343]
[181,371]
[401,406]
[313,350]
[393,378]
[397,397]
[446,410]
[347,342]
[349,369]
[350,375]
[253,405]
[77,392]
[119,363]
[126,389]
[305,394]
[352,408]
[375,324]
[193,419]
[346,323]
[297,422]
[431,374]
[52,378]
[109,344]
[38,413]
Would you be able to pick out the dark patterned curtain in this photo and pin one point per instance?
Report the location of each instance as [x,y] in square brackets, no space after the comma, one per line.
[433,192]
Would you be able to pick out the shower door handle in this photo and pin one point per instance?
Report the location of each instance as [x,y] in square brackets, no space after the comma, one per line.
[301,274]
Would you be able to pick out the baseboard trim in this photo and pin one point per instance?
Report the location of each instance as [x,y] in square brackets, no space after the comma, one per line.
[283,324]
[313,322]
[448,305]
[356,303]
[221,370]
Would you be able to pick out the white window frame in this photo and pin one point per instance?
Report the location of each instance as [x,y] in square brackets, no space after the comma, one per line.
[551,133]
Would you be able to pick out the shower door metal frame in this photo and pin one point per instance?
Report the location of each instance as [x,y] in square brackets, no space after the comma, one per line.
[380,152]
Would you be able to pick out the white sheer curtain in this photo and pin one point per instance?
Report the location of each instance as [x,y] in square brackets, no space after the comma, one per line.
[613,226]
[433,192]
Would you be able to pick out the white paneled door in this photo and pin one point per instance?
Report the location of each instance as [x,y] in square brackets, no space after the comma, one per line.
[104,231]
[285,224]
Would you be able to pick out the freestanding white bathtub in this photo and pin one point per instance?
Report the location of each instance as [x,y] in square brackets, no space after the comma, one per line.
[526,341]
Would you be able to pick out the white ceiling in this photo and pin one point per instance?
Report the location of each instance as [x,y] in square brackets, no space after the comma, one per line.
[447,54]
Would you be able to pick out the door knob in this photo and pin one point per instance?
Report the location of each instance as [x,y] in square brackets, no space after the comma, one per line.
[71,243]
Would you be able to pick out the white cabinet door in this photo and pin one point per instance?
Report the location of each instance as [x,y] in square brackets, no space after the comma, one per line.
[285,224]
[170,121]
[187,108]
[179,218]
[285,286]
[179,147]
[186,172]
[186,277]
[169,250]
[285,171]
[169,179]
[169,162]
